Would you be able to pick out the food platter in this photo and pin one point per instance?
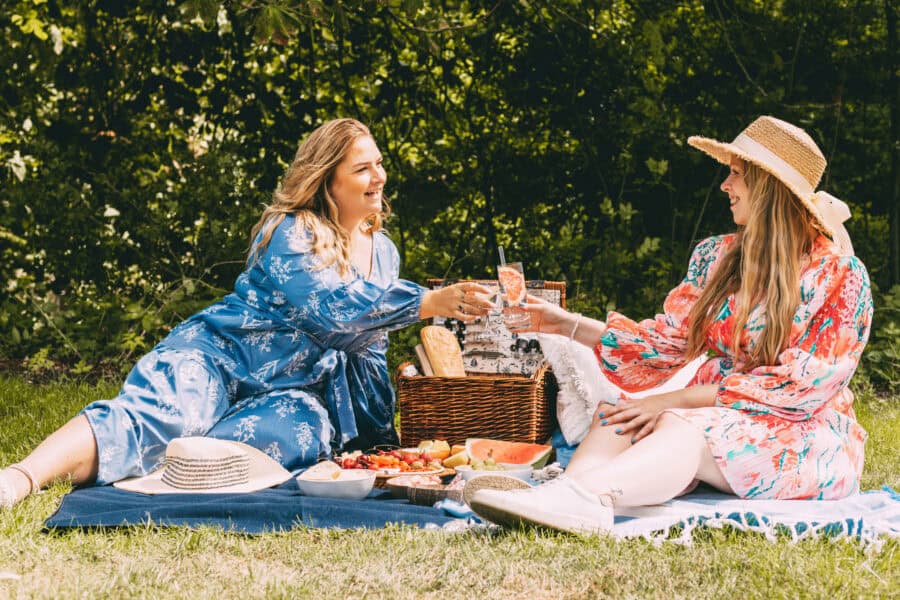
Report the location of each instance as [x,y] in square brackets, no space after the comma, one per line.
[385,474]
[423,490]
[426,459]
[389,473]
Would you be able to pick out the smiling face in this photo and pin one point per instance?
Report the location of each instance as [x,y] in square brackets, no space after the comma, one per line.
[358,183]
[738,192]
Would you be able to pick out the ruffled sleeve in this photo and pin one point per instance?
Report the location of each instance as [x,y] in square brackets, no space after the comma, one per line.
[830,333]
[337,313]
[640,355]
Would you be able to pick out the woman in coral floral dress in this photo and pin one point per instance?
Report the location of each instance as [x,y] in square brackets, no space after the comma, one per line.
[782,308]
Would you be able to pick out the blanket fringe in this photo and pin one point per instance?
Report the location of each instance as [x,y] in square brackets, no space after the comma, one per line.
[845,530]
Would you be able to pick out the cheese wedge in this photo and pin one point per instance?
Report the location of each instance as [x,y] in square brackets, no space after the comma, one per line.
[443,352]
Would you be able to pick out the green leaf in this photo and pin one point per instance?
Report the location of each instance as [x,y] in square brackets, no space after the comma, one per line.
[657,167]
[206,10]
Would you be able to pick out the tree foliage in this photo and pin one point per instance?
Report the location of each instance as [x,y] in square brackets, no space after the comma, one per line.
[141,140]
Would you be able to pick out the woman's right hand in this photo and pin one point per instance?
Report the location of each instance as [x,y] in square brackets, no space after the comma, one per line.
[547,317]
[465,301]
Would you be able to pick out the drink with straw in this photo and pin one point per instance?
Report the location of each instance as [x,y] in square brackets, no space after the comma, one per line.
[512,290]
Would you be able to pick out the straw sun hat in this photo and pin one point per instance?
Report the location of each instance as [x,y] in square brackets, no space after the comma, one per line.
[789,154]
[201,465]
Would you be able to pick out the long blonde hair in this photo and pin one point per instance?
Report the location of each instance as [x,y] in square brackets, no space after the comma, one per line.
[304,192]
[763,266]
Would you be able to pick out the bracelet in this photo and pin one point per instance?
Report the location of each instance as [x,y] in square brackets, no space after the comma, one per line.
[575,327]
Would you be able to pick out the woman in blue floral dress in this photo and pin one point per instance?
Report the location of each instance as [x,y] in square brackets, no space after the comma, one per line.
[293,361]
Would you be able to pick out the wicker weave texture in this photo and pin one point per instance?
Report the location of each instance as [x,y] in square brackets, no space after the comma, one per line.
[504,407]
[515,408]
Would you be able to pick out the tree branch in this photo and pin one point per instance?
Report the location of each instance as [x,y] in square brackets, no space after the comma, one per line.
[734,52]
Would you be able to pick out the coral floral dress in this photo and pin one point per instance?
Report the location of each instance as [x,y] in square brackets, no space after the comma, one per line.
[783,431]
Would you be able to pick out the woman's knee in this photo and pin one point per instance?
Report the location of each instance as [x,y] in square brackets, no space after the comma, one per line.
[669,421]
[291,426]
[708,470]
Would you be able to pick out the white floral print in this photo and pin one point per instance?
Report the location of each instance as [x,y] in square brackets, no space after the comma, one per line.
[266,365]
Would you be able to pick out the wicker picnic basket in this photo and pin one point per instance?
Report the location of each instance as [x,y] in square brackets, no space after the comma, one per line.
[516,408]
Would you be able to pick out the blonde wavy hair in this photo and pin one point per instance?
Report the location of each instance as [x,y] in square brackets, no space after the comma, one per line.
[304,192]
[763,266]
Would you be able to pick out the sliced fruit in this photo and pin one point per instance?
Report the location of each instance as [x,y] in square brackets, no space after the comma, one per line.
[438,449]
[457,448]
[501,451]
[513,283]
[457,460]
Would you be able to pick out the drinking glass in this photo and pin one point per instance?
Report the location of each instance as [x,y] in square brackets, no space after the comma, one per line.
[512,290]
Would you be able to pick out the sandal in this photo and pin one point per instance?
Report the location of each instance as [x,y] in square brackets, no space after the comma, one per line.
[7,492]
[8,496]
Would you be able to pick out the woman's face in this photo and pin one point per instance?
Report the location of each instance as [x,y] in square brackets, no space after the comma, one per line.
[358,182]
[738,193]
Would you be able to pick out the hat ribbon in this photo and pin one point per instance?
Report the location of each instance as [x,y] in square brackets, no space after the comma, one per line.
[834,212]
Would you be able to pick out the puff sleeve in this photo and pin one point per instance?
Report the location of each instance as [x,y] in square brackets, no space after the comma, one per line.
[342,314]
[640,355]
[830,331]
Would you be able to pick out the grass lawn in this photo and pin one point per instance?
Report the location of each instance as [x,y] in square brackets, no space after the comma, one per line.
[402,562]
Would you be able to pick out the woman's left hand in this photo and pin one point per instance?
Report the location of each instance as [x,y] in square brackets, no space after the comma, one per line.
[635,416]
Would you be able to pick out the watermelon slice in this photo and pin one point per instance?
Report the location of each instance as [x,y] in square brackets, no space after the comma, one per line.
[501,451]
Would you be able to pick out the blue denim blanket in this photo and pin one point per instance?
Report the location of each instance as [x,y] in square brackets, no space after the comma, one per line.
[276,509]
[868,517]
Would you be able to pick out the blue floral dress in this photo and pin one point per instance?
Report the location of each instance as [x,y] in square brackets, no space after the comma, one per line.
[292,362]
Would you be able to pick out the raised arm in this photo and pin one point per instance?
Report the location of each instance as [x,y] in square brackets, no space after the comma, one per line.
[317,301]
[351,314]
[641,355]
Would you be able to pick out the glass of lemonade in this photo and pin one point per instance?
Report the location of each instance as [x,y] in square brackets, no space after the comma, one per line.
[512,289]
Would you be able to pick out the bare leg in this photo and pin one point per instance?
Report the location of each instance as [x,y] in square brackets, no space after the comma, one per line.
[606,470]
[599,446]
[654,470]
[69,452]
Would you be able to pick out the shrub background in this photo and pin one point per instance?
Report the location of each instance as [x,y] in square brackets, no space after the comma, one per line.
[140,140]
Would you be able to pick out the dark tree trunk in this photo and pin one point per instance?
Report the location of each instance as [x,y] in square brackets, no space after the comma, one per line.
[894,95]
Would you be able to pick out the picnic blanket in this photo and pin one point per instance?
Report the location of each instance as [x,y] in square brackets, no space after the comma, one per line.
[865,517]
[277,509]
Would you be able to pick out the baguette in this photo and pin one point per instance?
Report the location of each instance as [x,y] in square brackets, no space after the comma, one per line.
[443,352]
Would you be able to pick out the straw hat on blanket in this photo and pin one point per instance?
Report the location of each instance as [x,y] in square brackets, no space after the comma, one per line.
[789,154]
[201,465]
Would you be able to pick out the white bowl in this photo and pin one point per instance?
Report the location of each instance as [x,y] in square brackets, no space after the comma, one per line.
[353,484]
[522,472]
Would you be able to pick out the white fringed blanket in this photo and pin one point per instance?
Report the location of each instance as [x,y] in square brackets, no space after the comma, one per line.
[866,517]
